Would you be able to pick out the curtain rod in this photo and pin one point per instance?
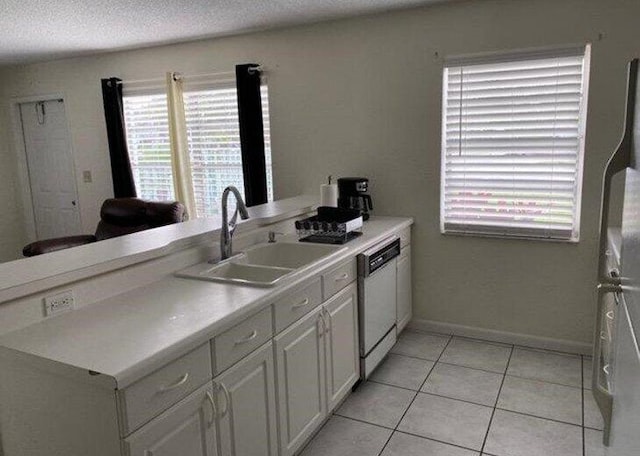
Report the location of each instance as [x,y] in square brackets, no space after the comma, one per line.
[251,70]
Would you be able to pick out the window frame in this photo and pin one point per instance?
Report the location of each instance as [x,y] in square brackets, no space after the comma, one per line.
[145,88]
[198,83]
[505,232]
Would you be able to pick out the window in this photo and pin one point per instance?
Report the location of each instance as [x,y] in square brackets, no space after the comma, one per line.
[213,135]
[512,145]
[147,126]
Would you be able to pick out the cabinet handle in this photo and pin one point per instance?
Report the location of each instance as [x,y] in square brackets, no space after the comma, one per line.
[321,325]
[304,302]
[249,338]
[227,399]
[342,277]
[214,412]
[177,384]
[605,368]
[609,315]
[326,322]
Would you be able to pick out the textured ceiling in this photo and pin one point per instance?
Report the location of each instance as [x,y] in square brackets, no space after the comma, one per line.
[34,30]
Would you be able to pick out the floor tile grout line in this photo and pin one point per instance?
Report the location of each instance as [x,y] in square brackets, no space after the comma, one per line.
[411,356]
[544,381]
[553,420]
[428,393]
[405,432]
[516,346]
[495,405]
[415,396]
[436,440]
[363,421]
[473,368]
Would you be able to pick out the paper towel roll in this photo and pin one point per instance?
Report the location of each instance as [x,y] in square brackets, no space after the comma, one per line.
[329,195]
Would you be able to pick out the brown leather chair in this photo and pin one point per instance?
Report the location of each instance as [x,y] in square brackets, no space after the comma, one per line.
[118,216]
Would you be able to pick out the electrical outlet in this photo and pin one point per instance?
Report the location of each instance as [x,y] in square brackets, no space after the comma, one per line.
[59,303]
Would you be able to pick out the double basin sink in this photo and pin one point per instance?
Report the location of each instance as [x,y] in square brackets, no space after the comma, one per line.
[263,265]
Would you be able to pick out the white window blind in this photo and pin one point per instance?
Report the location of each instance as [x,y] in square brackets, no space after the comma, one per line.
[147,128]
[213,136]
[512,146]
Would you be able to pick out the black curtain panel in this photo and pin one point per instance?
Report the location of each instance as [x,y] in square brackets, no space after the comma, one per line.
[251,133]
[121,173]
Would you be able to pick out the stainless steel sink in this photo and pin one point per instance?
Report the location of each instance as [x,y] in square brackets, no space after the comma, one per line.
[262,265]
[286,254]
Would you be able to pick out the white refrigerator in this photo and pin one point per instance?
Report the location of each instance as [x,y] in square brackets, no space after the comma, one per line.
[616,365]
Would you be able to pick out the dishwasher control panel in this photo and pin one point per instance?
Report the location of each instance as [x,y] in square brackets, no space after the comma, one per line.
[372,260]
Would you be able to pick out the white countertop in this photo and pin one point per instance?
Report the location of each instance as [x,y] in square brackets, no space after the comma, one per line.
[133,334]
[29,275]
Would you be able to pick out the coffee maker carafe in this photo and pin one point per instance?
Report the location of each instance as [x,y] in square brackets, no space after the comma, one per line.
[353,193]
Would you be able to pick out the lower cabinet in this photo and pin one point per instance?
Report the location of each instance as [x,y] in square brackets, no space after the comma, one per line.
[301,380]
[341,343]
[246,406]
[186,429]
[317,363]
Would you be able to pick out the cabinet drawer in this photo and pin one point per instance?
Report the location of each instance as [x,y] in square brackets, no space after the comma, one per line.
[237,342]
[158,391]
[338,278]
[297,304]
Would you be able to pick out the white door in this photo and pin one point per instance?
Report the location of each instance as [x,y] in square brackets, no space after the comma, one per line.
[247,409]
[403,291]
[301,381]
[343,362]
[186,429]
[51,170]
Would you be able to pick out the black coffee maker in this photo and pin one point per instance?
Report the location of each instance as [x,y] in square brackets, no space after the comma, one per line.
[353,193]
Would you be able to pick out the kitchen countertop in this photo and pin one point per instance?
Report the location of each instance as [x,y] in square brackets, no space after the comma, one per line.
[130,335]
[30,275]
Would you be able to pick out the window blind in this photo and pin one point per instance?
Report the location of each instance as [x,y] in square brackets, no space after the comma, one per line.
[512,146]
[147,129]
[214,144]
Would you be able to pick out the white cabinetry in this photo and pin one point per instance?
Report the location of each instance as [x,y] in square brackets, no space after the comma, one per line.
[341,345]
[301,381]
[186,429]
[246,404]
[317,364]
[403,288]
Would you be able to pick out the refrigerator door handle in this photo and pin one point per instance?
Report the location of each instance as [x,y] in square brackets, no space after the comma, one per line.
[620,160]
[601,394]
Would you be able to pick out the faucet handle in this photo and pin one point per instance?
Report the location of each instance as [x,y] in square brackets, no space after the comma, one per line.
[272,236]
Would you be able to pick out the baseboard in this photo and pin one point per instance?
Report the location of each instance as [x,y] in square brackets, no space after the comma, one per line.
[505,337]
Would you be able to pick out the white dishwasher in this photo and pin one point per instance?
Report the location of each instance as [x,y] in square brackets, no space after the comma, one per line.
[377,303]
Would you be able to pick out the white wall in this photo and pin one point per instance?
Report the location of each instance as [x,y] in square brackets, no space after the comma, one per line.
[12,236]
[363,97]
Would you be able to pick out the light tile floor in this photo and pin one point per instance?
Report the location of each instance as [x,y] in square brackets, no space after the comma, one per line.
[438,395]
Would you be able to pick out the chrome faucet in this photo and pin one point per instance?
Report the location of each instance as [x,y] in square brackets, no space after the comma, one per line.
[229,226]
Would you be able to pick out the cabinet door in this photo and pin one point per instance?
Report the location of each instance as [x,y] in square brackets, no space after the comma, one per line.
[403,289]
[301,381]
[625,422]
[246,403]
[186,429]
[341,345]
